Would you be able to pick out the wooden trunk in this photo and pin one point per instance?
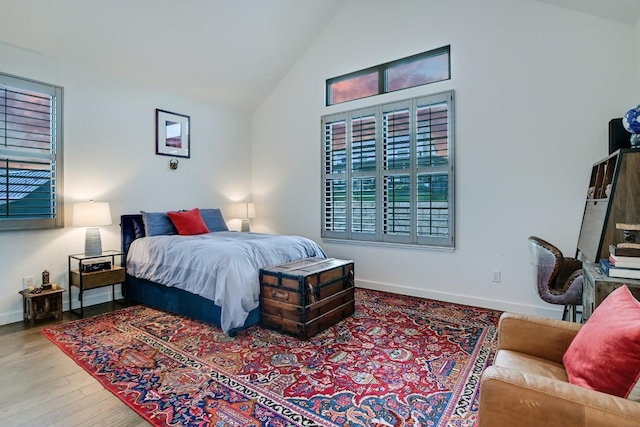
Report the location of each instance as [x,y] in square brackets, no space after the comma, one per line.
[305,297]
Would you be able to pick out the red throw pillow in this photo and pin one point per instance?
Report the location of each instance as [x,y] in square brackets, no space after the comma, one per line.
[605,354]
[188,223]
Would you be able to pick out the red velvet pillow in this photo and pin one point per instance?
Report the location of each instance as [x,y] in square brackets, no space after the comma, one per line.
[189,222]
[605,354]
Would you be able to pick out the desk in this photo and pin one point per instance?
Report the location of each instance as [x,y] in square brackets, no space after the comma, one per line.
[597,286]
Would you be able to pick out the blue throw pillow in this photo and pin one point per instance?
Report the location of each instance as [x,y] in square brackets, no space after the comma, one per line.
[157,224]
[214,220]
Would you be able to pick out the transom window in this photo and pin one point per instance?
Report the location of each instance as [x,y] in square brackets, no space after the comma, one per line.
[388,173]
[30,154]
[421,69]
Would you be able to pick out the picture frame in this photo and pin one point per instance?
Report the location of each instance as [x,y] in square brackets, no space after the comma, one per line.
[173,134]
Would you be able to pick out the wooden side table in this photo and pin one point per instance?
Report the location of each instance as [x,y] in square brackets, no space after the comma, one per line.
[597,286]
[42,305]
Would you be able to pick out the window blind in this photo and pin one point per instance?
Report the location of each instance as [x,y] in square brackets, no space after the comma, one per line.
[30,157]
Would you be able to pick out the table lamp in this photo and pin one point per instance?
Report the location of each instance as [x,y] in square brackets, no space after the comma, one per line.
[91,215]
[246,211]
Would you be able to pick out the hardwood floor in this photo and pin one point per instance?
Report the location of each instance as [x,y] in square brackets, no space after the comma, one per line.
[41,386]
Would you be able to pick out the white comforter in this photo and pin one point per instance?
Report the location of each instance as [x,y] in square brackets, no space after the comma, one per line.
[222,266]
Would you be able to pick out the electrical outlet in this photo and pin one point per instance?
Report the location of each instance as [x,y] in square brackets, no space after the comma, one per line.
[495,276]
[27,281]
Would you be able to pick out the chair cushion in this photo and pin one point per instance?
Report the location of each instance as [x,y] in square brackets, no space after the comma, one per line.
[528,364]
[188,223]
[605,354]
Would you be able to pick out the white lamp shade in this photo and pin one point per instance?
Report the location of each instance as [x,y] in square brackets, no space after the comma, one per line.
[91,214]
[246,210]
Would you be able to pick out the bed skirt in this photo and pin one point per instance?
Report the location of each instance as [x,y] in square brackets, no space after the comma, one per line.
[180,302]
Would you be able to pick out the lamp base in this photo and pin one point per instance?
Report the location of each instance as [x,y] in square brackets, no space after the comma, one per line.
[92,243]
[245,226]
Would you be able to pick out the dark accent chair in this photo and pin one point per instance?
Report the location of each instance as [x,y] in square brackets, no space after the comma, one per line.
[558,279]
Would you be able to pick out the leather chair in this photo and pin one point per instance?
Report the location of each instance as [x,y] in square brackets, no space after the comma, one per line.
[558,279]
[527,384]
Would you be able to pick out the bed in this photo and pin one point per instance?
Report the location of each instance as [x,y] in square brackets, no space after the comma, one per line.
[211,277]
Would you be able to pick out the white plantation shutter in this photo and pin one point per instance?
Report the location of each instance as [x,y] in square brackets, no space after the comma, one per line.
[363,196]
[388,173]
[30,154]
[335,173]
[434,218]
[396,168]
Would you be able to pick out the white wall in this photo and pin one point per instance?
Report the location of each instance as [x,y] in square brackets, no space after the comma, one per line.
[535,88]
[109,155]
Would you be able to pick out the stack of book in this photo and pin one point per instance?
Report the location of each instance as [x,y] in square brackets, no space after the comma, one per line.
[623,262]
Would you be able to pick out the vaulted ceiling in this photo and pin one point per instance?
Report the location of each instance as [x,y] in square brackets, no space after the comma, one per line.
[627,11]
[232,52]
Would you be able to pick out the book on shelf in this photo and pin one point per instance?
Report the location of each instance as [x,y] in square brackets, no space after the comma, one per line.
[626,252]
[619,272]
[624,261]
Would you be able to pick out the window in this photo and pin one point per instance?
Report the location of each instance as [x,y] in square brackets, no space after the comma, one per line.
[388,173]
[421,69]
[30,154]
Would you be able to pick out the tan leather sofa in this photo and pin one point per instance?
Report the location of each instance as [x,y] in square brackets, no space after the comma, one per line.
[527,385]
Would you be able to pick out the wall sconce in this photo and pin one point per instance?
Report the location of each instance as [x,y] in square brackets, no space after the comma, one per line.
[173,164]
[91,215]
[245,211]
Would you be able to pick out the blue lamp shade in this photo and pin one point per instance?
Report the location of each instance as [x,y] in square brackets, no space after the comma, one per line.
[631,122]
[91,215]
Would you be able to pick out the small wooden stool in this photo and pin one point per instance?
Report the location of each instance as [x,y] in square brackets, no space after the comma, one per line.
[42,304]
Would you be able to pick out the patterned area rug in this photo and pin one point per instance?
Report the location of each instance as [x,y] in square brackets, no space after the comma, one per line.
[398,361]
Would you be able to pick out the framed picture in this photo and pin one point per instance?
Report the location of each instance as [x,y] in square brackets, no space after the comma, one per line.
[172,134]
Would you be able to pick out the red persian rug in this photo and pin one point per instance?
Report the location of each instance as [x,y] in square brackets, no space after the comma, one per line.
[398,361]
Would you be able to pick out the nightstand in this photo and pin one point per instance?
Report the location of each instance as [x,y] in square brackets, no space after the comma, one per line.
[95,271]
[39,304]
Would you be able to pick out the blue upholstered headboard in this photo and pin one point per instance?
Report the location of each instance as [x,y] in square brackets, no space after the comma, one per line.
[131,228]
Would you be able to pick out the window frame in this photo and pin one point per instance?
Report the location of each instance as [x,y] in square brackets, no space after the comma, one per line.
[413,171]
[56,154]
[382,70]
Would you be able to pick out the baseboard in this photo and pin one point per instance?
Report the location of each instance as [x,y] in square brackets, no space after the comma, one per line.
[102,295]
[462,299]
[11,317]
[93,297]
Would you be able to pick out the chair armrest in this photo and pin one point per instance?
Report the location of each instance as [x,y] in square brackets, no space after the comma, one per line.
[537,336]
[512,398]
